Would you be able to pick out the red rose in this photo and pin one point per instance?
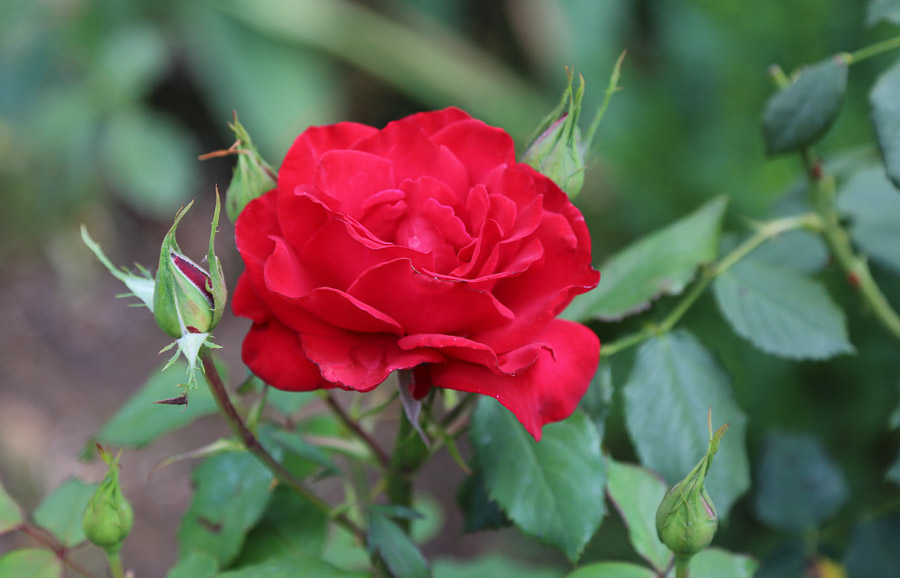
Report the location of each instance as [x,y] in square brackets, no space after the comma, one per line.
[423,245]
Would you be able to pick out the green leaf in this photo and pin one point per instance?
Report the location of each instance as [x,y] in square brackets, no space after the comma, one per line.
[552,489]
[232,492]
[401,556]
[140,421]
[888,10]
[290,567]
[288,402]
[716,563]
[612,570]
[431,520]
[291,526]
[873,205]
[295,444]
[673,384]
[800,251]
[61,511]
[873,549]
[344,551]
[194,565]
[799,485]
[131,61]
[801,113]
[479,510]
[781,312]
[597,401]
[662,263]
[636,494]
[150,160]
[893,474]
[886,118]
[30,564]
[490,565]
[10,515]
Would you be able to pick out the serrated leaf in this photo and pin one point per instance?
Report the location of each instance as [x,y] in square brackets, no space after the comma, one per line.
[290,526]
[195,565]
[716,563]
[661,263]
[781,312]
[398,551]
[294,443]
[479,510]
[673,384]
[490,565]
[552,489]
[883,10]
[612,570]
[872,203]
[291,567]
[800,251]
[30,564]
[140,421]
[636,495]
[801,113]
[10,515]
[886,118]
[873,548]
[61,511]
[799,485]
[597,400]
[232,492]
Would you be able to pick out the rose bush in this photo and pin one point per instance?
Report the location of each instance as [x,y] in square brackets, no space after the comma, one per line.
[421,246]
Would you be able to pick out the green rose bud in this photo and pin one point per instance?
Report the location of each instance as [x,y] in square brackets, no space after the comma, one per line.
[686,520]
[187,299]
[108,516]
[252,177]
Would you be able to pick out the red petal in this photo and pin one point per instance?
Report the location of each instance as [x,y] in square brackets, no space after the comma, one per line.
[435,120]
[352,177]
[245,302]
[299,165]
[480,147]
[549,390]
[274,354]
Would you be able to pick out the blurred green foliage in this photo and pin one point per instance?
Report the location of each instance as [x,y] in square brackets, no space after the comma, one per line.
[105,105]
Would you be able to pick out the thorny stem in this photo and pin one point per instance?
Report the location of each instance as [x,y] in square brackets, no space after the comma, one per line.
[354,427]
[764,232]
[237,425]
[48,541]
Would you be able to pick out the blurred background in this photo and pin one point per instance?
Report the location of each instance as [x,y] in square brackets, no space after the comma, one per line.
[105,106]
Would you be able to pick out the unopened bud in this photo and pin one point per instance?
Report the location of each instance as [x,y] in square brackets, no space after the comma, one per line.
[252,177]
[108,516]
[686,520]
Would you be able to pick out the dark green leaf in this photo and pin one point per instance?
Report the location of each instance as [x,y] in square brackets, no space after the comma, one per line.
[886,118]
[636,494]
[294,443]
[291,567]
[291,526]
[480,511]
[716,563]
[673,384]
[873,205]
[10,515]
[232,491]
[799,485]
[61,511]
[552,489]
[30,564]
[883,10]
[612,570]
[802,113]
[781,312]
[491,565]
[661,263]
[150,160]
[140,421]
[597,401]
[873,549]
[195,565]
[401,556]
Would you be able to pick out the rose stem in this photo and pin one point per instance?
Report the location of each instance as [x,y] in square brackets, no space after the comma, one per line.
[252,444]
[408,456]
[354,426]
[47,540]
[682,567]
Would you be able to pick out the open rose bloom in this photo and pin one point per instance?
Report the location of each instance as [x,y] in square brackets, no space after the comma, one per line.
[422,246]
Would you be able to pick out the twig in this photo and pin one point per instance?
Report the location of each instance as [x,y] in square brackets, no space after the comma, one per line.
[354,426]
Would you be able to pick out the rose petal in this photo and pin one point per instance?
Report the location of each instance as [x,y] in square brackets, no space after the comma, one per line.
[285,274]
[344,311]
[434,120]
[246,303]
[548,391]
[274,354]
[299,165]
[480,147]
[353,177]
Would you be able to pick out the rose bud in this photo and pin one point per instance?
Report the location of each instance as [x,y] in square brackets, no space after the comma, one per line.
[108,516]
[252,176]
[186,299]
[557,151]
[686,520]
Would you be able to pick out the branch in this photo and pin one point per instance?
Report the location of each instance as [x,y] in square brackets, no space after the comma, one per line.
[354,426]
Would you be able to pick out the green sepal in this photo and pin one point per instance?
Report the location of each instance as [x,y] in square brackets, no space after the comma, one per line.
[252,177]
[216,276]
[141,286]
[108,517]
